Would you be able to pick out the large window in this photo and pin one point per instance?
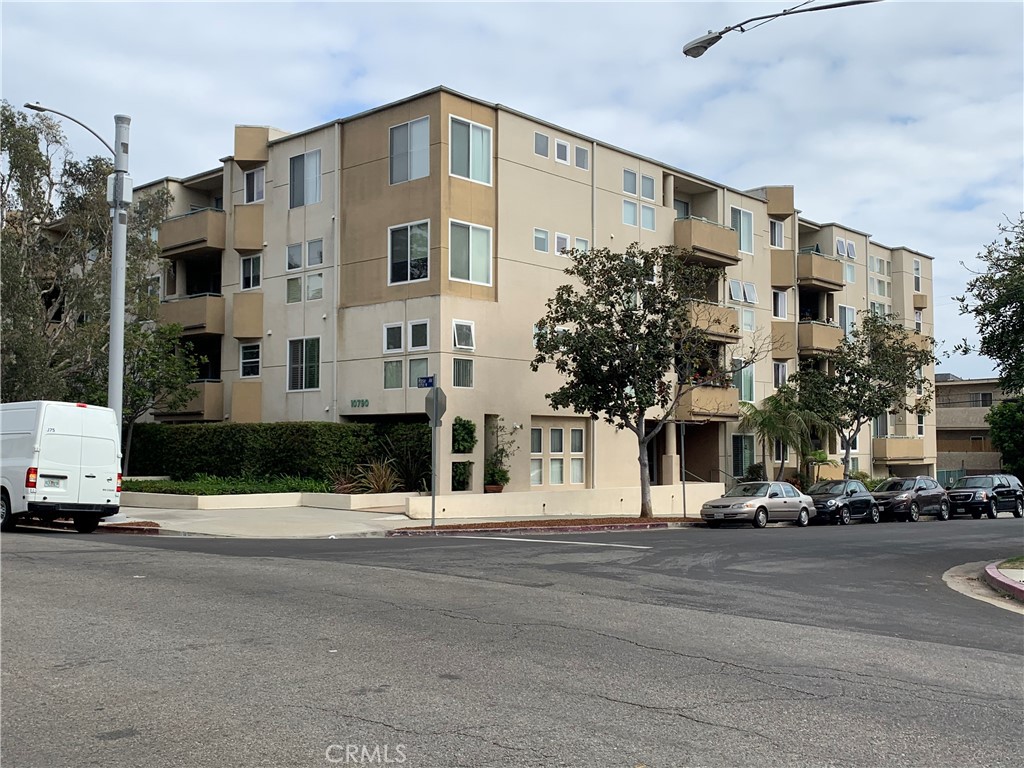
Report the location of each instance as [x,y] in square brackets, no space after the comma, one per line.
[743,223]
[254,185]
[742,454]
[410,150]
[249,360]
[304,179]
[304,363]
[408,253]
[847,317]
[470,151]
[743,379]
[779,305]
[469,256]
[251,271]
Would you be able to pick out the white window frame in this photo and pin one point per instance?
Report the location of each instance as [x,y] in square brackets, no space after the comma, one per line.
[539,433]
[468,364]
[311,186]
[242,361]
[780,456]
[840,247]
[750,293]
[257,259]
[746,222]
[401,338]
[776,233]
[646,210]
[780,299]
[556,461]
[586,158]
[560,147]
[288,250]
[408,226]
[258,175]
[919,321]
[628,173]
[310,263]
[472,335]
[490,252]
[394,363]
[539,233]
[920,425]
[306,288]
[654,189]
[736,290]
[408,335]
[581,244]
[780,373]
[452,119]
[289,364]
[409,153]
[851,250]
[630,205]
[302,287]
[917,275]
[743,379]
[413,384]
[850,273]
[577,461]
[561,441]
[851,313]
[547,144]
[748,322]
[561,243]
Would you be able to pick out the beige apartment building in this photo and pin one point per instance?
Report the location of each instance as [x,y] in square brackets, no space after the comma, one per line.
[963,437]
[322,273]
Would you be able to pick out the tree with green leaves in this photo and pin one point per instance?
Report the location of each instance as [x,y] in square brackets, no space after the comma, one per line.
[780,417]
[995,298]
[55,278]
[1007,422]
[629,335]
[876,369]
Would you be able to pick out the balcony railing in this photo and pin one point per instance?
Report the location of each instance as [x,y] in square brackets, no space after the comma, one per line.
[711,243]
[721,323]
[896,449]
[814,337]
[199,233]
[203,313]
[816,270]
[709,403]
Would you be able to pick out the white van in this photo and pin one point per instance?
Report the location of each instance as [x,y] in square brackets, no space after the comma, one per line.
[59,460]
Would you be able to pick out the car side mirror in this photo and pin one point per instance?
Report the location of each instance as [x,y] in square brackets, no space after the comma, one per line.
[773,495]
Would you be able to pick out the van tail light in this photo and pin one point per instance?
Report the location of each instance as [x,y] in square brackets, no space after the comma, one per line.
[31,477]
[118,482]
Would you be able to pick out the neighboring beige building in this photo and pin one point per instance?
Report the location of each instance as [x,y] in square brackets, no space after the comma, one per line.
[323,272]
[963,436]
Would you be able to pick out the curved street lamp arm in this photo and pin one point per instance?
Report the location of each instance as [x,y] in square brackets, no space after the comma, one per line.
[40,108]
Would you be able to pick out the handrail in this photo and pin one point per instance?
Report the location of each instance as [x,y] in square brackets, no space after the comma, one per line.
[190,296]
[192,213]
[706,221]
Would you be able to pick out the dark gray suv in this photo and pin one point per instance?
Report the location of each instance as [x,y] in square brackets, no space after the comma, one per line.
[907,498]
[986,494]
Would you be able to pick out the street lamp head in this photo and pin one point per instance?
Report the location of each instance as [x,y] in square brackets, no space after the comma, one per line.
[696,48]
[37,107]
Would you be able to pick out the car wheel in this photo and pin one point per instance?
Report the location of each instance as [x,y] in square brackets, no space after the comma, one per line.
[714,524]
[1018,510]
[760,518]
[976,515]
[804,518]
[7,520]
[844,516]
[875,514]
[86,523]
[914,513]
[993,510]
[943,513]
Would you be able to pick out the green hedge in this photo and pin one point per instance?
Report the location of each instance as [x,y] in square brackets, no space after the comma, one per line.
[316,450]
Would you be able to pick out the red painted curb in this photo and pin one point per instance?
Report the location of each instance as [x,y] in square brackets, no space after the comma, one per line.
[997,581]
[137,530]
[534,530]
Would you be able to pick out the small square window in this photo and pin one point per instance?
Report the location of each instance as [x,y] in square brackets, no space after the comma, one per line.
[556,440]
[582,244]
[393,338]
[629,181]
[314,286]
[629,213]
[419,338]
[583,158]
[314,253]
[540,240]
[561,151]
[463,335]
[392,374]
[462,372]
[647,187]
[540,144]
[293,290]
[647,217]
[561,243]
[249,360]
[294,256]
[417,369]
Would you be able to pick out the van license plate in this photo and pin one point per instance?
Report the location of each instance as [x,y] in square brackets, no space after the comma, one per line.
[51,482]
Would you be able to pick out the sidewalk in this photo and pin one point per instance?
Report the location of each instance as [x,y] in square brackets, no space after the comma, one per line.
[1009,581]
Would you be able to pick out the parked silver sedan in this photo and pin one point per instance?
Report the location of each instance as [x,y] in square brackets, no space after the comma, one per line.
[759,503]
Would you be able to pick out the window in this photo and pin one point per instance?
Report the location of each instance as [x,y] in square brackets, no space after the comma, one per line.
[556,437]
[540,144]
[980,399]
[462,372]
[743,379]
[536,471]
[419,336]
[561,243]
[254,185]
[303,364]
[392,374]
[854,464]
[576,471]
[293,257]
[629,181]
[582,244]
[647,187]
[918,320]
[583,158]
[840,247]
[314,286]
[536,440]
[682,209]
[561,152]
[750,293]
[251,271]
[462,333]
[576,440]
[249,360]
[743,223]
[469,253]
[304,179]
[736,290]
[851,250]
[742,454]
[314,253]
[417,370]
[293,290]
[471,151]
[410,151]
[775,234]
[540,240]
[920,425]
[408,253]
[854,444]
[780,374]
[647,217]
[629,213]
[920,380]
[781,452]
[779,305]
[392,338]
[851,274]
[917,275]
[880,425]
[557,475]
[847,317]
[747,319]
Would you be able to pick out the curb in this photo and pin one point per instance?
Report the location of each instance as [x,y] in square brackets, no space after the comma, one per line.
[535,529]
[1000,583]
[137,530]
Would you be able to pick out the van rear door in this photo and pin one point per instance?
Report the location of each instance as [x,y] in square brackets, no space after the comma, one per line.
[60,454]
[100,460]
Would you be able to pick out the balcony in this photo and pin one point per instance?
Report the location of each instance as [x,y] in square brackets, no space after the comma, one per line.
[780,201]
[709,404]
[816,270]
[247,315]
[248,227]
[251,145]
[200,233]
[207,405]
[817,338]
[783,268]
[711,243]
[720,322]
[247,401]
[195,314]
[897,450]
[920,301]
[784,339]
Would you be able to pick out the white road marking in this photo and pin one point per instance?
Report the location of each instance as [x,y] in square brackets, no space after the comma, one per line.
[553,541]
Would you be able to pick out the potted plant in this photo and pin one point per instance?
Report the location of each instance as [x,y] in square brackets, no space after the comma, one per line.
[504,447]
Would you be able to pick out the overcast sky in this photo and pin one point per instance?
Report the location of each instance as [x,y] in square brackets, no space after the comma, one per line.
[902,119]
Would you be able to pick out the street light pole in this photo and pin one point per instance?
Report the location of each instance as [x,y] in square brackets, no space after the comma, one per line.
[119,196]
[699,46]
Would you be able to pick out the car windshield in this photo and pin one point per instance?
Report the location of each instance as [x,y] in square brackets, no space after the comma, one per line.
[828,486]
[896,484]
[749,489]
[973,482]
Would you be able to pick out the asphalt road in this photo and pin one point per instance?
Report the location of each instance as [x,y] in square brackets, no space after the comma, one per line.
[735,647]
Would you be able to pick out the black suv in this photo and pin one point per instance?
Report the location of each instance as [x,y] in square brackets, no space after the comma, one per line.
[907,498]
[988,494]
[839,501]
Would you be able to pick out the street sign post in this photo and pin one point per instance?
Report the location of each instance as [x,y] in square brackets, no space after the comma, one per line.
[435,405]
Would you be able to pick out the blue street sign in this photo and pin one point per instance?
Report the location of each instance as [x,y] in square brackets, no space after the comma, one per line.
[425,382]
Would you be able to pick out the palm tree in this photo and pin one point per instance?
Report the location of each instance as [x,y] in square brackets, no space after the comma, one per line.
[780,417]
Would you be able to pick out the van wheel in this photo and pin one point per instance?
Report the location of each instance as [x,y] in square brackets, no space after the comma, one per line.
[7,519]
[86,524]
